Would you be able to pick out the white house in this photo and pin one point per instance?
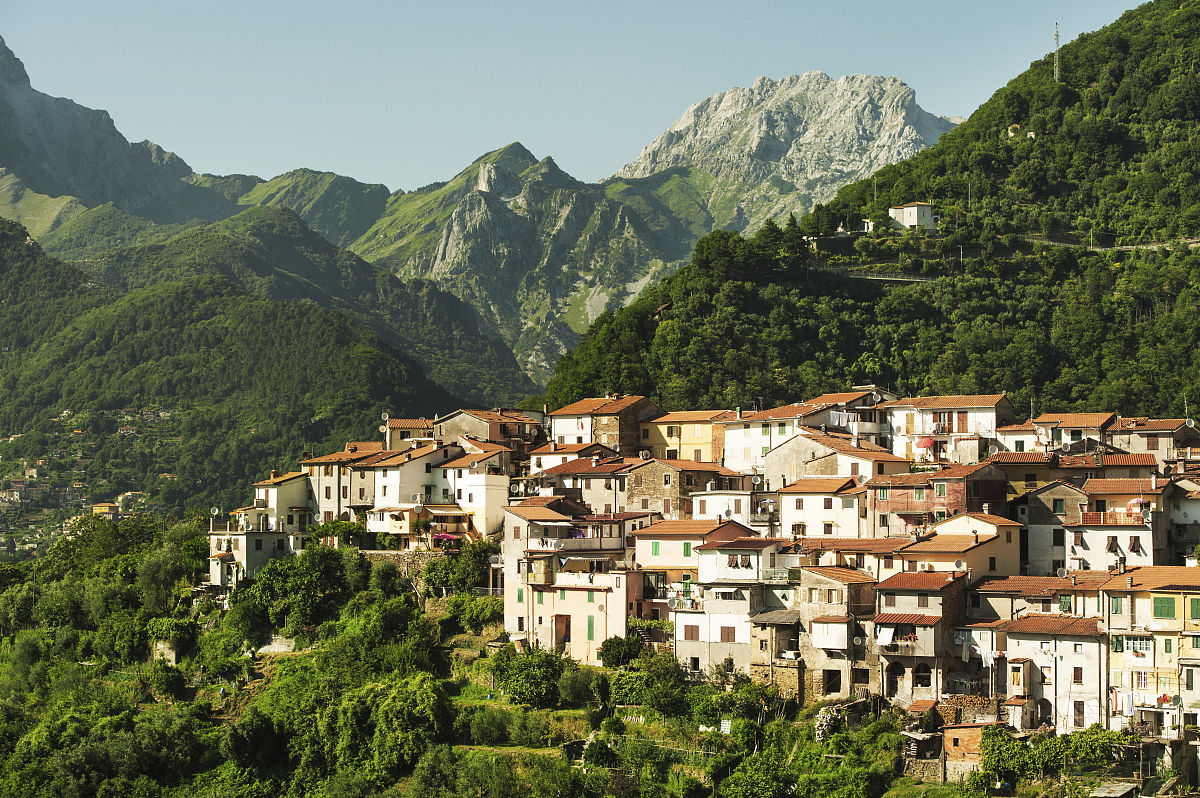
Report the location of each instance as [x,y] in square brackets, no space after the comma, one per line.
[834,506]
[935,428]
[912,215]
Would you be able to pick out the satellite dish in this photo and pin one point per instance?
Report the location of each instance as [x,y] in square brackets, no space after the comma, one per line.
[728,513]
[514,489]
[757,480]
[958,565]
[994,450]
[1190,422]
[859,641]
[214,511]
[383,427]
[644,454]
[1146,516]
[1062,572]
[384,415]
[1176,701]
[415,498]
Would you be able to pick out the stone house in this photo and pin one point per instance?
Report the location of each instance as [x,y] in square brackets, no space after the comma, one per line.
[553,453]
[915,616]
[1061,429]
[877,557]
[963,750]
[1123,523]
[903,504]
[1172,441]
[1045,514]
[514,428]
[601,483]
[1058,665]
[666,486]
[814,453]
[835,506]
[613,420]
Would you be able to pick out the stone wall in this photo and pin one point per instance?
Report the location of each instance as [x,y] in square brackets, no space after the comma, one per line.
[788,678]
[927,770]
[408,563]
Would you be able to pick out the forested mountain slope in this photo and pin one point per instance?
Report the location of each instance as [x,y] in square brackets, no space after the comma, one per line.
[251,380]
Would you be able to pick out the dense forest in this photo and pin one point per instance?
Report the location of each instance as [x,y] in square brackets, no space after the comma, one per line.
[1011,298]
[253,380]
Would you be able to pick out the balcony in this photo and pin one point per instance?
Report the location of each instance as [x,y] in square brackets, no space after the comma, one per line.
[776,574]
[764,518]
[1112,519]
[1185,453]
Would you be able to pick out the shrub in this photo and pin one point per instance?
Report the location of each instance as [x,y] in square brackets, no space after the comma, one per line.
[489,726]
[575,687]
[530,729]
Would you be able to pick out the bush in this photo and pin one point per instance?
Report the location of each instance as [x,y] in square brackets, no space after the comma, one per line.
[531,730]
[616,652]
[489,726]
[597,753]
[475,612]
[613,726]
[167,679]
[575,687]
[530,678]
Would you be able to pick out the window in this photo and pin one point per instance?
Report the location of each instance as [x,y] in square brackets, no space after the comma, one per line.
[1030,480]
[883,522]
[991,563]
[1078,710]
[912,565]
[1139,680]
[1019,447]
[655,547]
[889,600]
[591,596]
[1188,682]
[827,529]
[345,491]
[1077,675]
[1151,441]
[1045,675]
[766,429]
[691,633]
[1140,645]
[562,595]
[328,495]
[1194,611]
[541,595]
[1064,604]
[727,634]
[703,506]
[922,599]
[1059,506]
[666,480]
[520,595]
[687,549]
[1164,606]
[1135,547]
[882,494]
[923,677]
[520,624]
[828,503]
[854,469]
[939,490]
[1077,537]
[591,627]
[919,493]
[645,504]
[1168,645]
[887,561]
[1118,644]
[666,506]
[258,545]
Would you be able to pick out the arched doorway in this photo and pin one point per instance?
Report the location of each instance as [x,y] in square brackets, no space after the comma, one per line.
[922,676]
[895,677]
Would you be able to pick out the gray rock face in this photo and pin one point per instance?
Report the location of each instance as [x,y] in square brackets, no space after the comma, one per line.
[57,148]
[782,146]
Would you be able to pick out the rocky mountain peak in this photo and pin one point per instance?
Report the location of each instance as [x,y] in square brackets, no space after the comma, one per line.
[12,71]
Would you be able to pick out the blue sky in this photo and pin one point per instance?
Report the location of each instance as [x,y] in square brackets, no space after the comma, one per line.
[407,93]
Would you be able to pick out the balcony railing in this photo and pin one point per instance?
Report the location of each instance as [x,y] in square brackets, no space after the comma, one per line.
[764,518]
[1113,519]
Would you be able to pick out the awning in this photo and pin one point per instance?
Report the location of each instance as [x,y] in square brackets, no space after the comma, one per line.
[446,536]
[924,443]
[776,618]
[554,523]
[886,633]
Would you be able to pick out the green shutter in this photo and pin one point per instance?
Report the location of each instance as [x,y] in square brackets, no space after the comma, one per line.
[541,594]
[654,548]
[1195,609]
[1114,605]
[687,549]
[1064,603]
[591,597]
[1164,606]
[1187,675]
[1167,646]
[520,595]
[591,627]
[562,595]
[1118,644]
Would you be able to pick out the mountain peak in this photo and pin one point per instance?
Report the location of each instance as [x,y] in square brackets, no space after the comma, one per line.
[12,71]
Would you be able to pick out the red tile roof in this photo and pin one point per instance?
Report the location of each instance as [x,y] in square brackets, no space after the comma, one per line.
[700,528]
[1075,420]
[865,450]
[837,398]
[572,448]
[1031,458]
[899,480]
[415,453]
[1107,460]
[1108,487]
[1144,424]
[958,471]
[278,479]
[922,706]
[847,576]
[690,465]
[831,619]
[818,485]
[916,619]
[745,543]
[502,416]
[598,406]
[409,423]
[536,513]
[1035,624]
[987,518]
[866,545]
[1042,585]
[335,457]
[948,544]
[469,460]
[794,410]
[583,466]
[959,400]
[1154,577]
[920,580]
[482,445]
[687,417]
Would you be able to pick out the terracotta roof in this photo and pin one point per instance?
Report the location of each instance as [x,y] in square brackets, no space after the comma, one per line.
[415,453]
[614,517]
[777,618]
[1107,460]
[794,410]
[1075,420]
[482,445]
[501,416]
[536,513]
[364,446]
[831,619]
[335,457]
[868,545]
[279,479]
[1154,577]
[746,543]
[948,544]
[959,471]
[922,706]
[973,725]
[838,398]
[690,465]
[1035,624]
[916,619]
[468,459]
[1016,702]
[847,576]
[1024,426]
[374,458]
[920,580]
[1031,458]
[1106,487]
[987,518]
[817,485]
[958,400]
[844,444]
[1042,585]
[1144,424]
[583,466]
[599,406]
[690,528]
[687,417]
[409,423]
[570,448]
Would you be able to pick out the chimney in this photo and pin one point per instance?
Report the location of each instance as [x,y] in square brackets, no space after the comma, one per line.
[969,570]
[274,473]
[1073,582]
[1129,581]
[975,535]
[595,460]
[554,446]
[1121,569]
[739,412]
[1154,482]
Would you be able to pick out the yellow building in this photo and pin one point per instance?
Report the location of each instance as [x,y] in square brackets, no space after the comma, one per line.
[1026,471]
[685,435]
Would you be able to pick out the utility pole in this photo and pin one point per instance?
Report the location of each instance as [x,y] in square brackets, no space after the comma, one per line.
[1056,73]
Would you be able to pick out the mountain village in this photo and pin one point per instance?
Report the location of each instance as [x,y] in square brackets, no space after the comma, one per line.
[929,550]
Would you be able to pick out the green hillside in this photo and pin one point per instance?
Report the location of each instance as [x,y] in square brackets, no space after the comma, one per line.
[270,253]
[1111,154]
[339,208]
[251,380]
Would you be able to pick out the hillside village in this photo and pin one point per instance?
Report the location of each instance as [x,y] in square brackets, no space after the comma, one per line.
[930,550]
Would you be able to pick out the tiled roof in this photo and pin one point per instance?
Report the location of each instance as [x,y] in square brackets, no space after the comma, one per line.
[831,619]
[690,465]
[625,516]
[1144,424]
[817,485]
[844,444]
[987,518]
[571,448]
[920,580]
[1075,420]
[1107,487]
[468,460]
[687,417]
[847,576]
[690,528]
[1031,458]
[1107,460]
[838,398]
[958,400]
[1042,585]
[599,406]
[794,410]
[866,545]
[1154,577]
[409,423]
[412,454]
[1035,624]
[335,457]
[536,513]
[501,416]
[899,480]
[279,478]
[916,619]
[747,543]
[1024,426]
[583,466]
[364,446]
[482,445]
[922,706]
[375,458]
[948,544]
[958,471]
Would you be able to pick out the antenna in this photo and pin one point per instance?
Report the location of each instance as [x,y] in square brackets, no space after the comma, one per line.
[1056,73]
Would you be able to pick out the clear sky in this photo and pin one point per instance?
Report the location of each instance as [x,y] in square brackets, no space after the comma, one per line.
[406,93]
